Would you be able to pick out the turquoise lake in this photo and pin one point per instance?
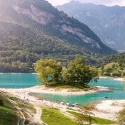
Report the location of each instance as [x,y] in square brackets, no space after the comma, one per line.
[18,80]
[29,80]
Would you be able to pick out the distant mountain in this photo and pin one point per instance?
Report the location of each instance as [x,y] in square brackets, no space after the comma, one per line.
[107,22]
[34,29]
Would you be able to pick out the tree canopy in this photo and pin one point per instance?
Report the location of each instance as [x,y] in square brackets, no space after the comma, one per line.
[75,73]
[48,70]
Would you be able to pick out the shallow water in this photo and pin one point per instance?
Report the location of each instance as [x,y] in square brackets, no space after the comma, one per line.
[116,93]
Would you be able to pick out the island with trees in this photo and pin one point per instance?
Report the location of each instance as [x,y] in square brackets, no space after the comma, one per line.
[73,77]
[75,73]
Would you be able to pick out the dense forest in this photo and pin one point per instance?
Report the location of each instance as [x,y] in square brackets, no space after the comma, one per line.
[22,47]
[113,66]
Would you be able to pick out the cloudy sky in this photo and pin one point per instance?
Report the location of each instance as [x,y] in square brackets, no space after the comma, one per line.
[104,2]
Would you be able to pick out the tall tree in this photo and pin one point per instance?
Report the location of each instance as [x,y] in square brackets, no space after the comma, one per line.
[49,71]
[77,72]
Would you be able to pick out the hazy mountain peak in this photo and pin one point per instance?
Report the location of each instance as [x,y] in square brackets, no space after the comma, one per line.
[107,22]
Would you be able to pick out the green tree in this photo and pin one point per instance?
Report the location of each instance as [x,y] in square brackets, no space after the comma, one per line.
[49,71]
[77,72]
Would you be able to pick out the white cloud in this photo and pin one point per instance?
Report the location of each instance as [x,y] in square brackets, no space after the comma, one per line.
[104,2]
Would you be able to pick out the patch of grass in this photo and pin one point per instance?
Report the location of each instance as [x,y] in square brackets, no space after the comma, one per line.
[53,116]
[23,104]
[71,88]
[96,119]
[67,85]
[31,107]
[7,113]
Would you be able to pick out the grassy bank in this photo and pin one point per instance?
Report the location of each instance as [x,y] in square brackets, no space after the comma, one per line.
[95,120]
[7,113]
[53,116]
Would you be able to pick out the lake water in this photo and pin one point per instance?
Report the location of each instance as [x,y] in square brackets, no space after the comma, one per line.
[29,80]
[116,93]
[18,80]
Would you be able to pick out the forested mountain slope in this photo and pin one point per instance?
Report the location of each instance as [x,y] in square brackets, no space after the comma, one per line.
[33,29]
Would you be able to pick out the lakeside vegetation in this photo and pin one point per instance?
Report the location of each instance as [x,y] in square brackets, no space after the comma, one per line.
[113,66]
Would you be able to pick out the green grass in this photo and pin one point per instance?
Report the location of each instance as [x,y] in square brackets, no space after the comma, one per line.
[96,119]
[53,116]
[7,113]
[22,105]
[71,87]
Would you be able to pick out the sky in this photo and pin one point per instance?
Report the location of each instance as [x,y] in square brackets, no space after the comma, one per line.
[103,2]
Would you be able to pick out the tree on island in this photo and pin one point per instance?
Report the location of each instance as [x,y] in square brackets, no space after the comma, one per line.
[49,71]
[75,73]
[78,73]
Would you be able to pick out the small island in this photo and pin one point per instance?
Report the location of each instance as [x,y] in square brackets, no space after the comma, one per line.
[70,79]
[75,74]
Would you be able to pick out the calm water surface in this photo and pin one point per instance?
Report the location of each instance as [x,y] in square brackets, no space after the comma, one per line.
[29,80]
[18,80]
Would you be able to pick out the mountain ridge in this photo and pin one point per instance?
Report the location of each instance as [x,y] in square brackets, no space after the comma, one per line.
[106,21]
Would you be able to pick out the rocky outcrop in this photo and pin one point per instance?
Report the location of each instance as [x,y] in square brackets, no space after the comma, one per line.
[107,22]
[35,14]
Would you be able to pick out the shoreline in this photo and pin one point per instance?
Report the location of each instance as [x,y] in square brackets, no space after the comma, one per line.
[54,91]
[102,77]
[106,109]
[114,78]
[109,109]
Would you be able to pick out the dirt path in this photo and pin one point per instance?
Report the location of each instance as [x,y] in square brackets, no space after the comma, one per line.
[38,114]
[35,118]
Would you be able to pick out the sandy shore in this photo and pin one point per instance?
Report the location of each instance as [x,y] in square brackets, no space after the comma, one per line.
[24,94]
[108,109]
[45,90]
[118,79]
